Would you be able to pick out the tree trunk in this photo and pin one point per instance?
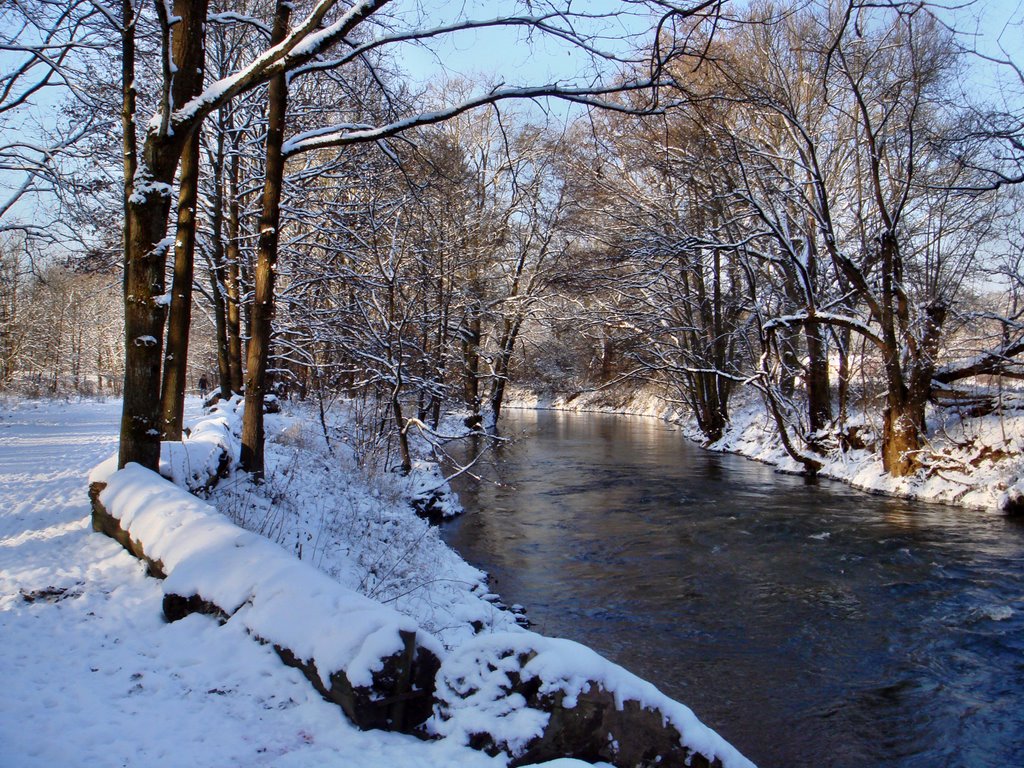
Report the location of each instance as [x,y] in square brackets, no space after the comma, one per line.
[471,335]
[172,395]
[843,374]
[904,416]
[220,327]
[148,202]
[710,405]
[234,258]
[403,430]
[218,267]
[266,260]
[777,406]
[506,347]
[144,327]
[904,411]
[901,438]
[819,394]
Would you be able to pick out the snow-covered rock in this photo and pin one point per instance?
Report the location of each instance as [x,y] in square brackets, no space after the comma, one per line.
[538,698]
[376,662]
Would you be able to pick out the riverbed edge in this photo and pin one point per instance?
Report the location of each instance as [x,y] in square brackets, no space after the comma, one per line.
[750,434]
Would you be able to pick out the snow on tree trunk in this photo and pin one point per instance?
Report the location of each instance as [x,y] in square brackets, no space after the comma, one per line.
[901,439]
[172,395]
[148,206]
[144,315]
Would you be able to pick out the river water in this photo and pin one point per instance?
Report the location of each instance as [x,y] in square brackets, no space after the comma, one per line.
[810,624]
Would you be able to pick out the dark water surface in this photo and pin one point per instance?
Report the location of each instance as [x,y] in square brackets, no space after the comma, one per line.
[811,625]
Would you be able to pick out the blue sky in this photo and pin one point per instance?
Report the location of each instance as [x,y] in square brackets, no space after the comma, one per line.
[516,56]
[513,57]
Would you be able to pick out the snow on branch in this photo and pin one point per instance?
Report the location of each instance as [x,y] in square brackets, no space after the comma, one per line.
[302,44]
[306,43]
[341,135]
[232,17]
[995,362]
[826,318]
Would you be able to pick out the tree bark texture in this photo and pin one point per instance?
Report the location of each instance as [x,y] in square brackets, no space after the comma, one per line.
[266,261]
[234,258]
[144,328]
[506,346]
[172,394]
[819,394]
[148,206]
[471,336]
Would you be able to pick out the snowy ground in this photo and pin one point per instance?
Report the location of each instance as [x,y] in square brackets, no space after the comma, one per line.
[94,676]
[970,462]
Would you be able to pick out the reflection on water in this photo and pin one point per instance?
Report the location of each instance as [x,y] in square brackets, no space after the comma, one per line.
[812,625]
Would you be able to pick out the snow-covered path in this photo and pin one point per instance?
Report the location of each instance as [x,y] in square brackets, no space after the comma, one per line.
[91,675]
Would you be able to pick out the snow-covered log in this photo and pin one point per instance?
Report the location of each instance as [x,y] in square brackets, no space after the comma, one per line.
[367,658]
[538,698]
[207,453]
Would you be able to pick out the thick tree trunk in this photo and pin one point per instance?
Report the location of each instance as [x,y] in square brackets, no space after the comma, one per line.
[404,455]
[144,327]
[137,440]
[506,347]
[172,395]
[904,416]
[266,260]
[710,405]
[904,413]
[498,396]
[901,436]
[148,202]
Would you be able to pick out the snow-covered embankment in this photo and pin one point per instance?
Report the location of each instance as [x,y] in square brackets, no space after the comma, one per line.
[507,691]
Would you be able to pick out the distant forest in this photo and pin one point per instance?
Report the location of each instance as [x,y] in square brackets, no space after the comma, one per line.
[818,202]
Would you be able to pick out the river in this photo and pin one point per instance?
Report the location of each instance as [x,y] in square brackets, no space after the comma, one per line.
[809,623]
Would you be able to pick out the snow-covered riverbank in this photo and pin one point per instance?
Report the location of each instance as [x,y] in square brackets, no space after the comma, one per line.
[972,462]
[95,676]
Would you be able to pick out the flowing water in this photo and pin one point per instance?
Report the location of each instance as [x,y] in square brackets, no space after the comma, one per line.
[810,624]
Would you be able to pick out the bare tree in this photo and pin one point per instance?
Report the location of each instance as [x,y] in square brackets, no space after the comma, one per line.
[46,48]
[184,103]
